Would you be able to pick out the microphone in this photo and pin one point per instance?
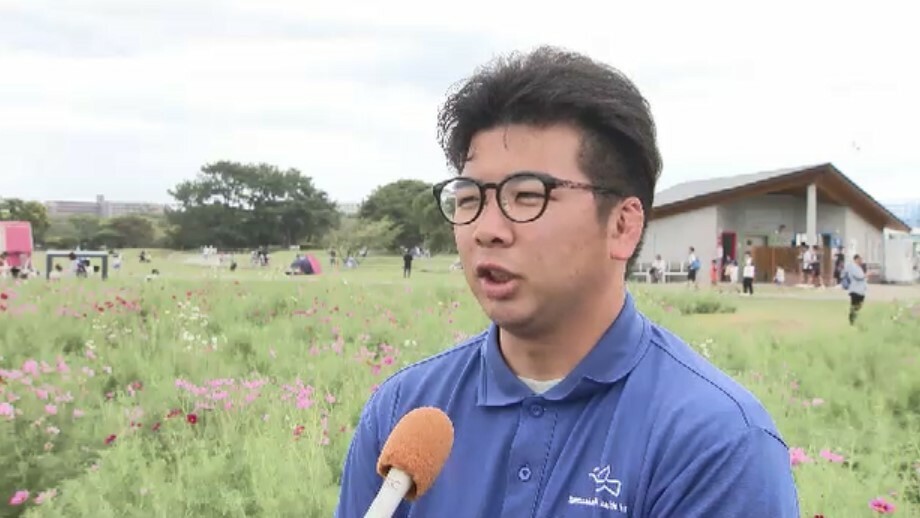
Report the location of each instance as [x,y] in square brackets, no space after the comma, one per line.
[412,458]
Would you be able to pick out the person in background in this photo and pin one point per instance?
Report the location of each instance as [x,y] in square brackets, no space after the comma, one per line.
[748,274]
[806,260]
[854,281]
[714,273]
[407,263]
[840,260]
[693,266]
[732,272]
[816,277]
[779,278]
[658,268]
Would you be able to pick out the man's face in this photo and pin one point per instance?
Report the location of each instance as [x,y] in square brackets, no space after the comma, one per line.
[527,276]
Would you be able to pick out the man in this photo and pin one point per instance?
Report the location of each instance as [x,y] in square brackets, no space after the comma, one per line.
[571,403]
[854,281]
[658,269]
[693,268]
[407,263]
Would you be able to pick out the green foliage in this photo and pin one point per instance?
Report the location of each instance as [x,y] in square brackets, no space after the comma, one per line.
[411,208]
[394,201]
[88,231]
[353,234]
[239,206]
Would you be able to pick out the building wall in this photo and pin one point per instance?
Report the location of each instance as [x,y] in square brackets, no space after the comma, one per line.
[101,208]
[673,236]
[862,238]
[758,218]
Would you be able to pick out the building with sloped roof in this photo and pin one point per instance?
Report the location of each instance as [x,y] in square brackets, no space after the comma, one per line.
[769,213]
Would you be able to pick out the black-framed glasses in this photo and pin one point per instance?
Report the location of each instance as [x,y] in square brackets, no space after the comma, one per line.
[523,197]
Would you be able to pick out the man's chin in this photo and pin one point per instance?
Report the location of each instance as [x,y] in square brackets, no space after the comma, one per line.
[510,316]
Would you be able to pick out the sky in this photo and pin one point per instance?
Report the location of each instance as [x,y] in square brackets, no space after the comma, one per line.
[127,98]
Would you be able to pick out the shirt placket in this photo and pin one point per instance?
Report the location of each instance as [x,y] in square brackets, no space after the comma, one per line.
[528,458]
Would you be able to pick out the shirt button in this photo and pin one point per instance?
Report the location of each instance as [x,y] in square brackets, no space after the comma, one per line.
[536,410]
[524,473]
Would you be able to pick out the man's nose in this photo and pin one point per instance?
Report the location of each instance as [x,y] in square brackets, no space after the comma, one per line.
[492,228]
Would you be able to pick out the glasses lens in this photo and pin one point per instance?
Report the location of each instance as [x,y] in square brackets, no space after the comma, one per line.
[460,201]
[524,198]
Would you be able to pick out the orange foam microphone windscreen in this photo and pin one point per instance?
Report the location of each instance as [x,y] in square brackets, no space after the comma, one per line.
[419,446]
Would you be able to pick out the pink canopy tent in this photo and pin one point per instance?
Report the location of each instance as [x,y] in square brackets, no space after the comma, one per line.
[16,241]
[305,265]
[314,263]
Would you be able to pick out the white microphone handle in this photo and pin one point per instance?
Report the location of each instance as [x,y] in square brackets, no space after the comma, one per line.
[395,486]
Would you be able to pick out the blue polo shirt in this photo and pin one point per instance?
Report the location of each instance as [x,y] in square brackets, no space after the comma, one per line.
[643,427]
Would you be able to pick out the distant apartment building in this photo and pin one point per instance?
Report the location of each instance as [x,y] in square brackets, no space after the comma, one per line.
[907,211]
[102,208]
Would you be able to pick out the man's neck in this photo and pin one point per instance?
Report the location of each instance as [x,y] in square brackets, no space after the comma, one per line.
[554,353]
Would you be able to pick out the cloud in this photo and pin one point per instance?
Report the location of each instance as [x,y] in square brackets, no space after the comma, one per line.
[129,98]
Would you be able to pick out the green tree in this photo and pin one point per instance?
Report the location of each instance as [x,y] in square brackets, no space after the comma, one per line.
[394,201]
[233,205]
[85,228]
[131,231]
[436,232]
[354,234]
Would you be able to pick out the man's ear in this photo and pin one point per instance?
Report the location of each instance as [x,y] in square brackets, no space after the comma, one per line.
[624,228]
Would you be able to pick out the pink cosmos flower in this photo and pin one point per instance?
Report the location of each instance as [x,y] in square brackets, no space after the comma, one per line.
[7,410]
[19,497]
[51,409]
[30,367]
[45,495]
[798,456]
[831,456]
[881,506]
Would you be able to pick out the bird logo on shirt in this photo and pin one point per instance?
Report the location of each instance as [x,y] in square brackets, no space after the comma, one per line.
[601,477]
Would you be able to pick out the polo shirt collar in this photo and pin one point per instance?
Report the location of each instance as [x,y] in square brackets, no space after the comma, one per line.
[616,353]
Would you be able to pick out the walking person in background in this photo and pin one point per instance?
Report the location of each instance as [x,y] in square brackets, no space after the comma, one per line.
[407,263]
[854,281]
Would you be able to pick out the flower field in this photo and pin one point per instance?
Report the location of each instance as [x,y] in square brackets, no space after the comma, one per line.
[220,395]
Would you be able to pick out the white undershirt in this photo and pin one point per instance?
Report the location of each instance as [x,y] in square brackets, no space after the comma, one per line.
[538,386]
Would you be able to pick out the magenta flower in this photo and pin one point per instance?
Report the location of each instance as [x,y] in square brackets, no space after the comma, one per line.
[831,456]
[881,506]
[798,456]
[19,497]
[30,367]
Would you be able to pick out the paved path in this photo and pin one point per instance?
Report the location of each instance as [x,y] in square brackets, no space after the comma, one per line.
[883,292]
